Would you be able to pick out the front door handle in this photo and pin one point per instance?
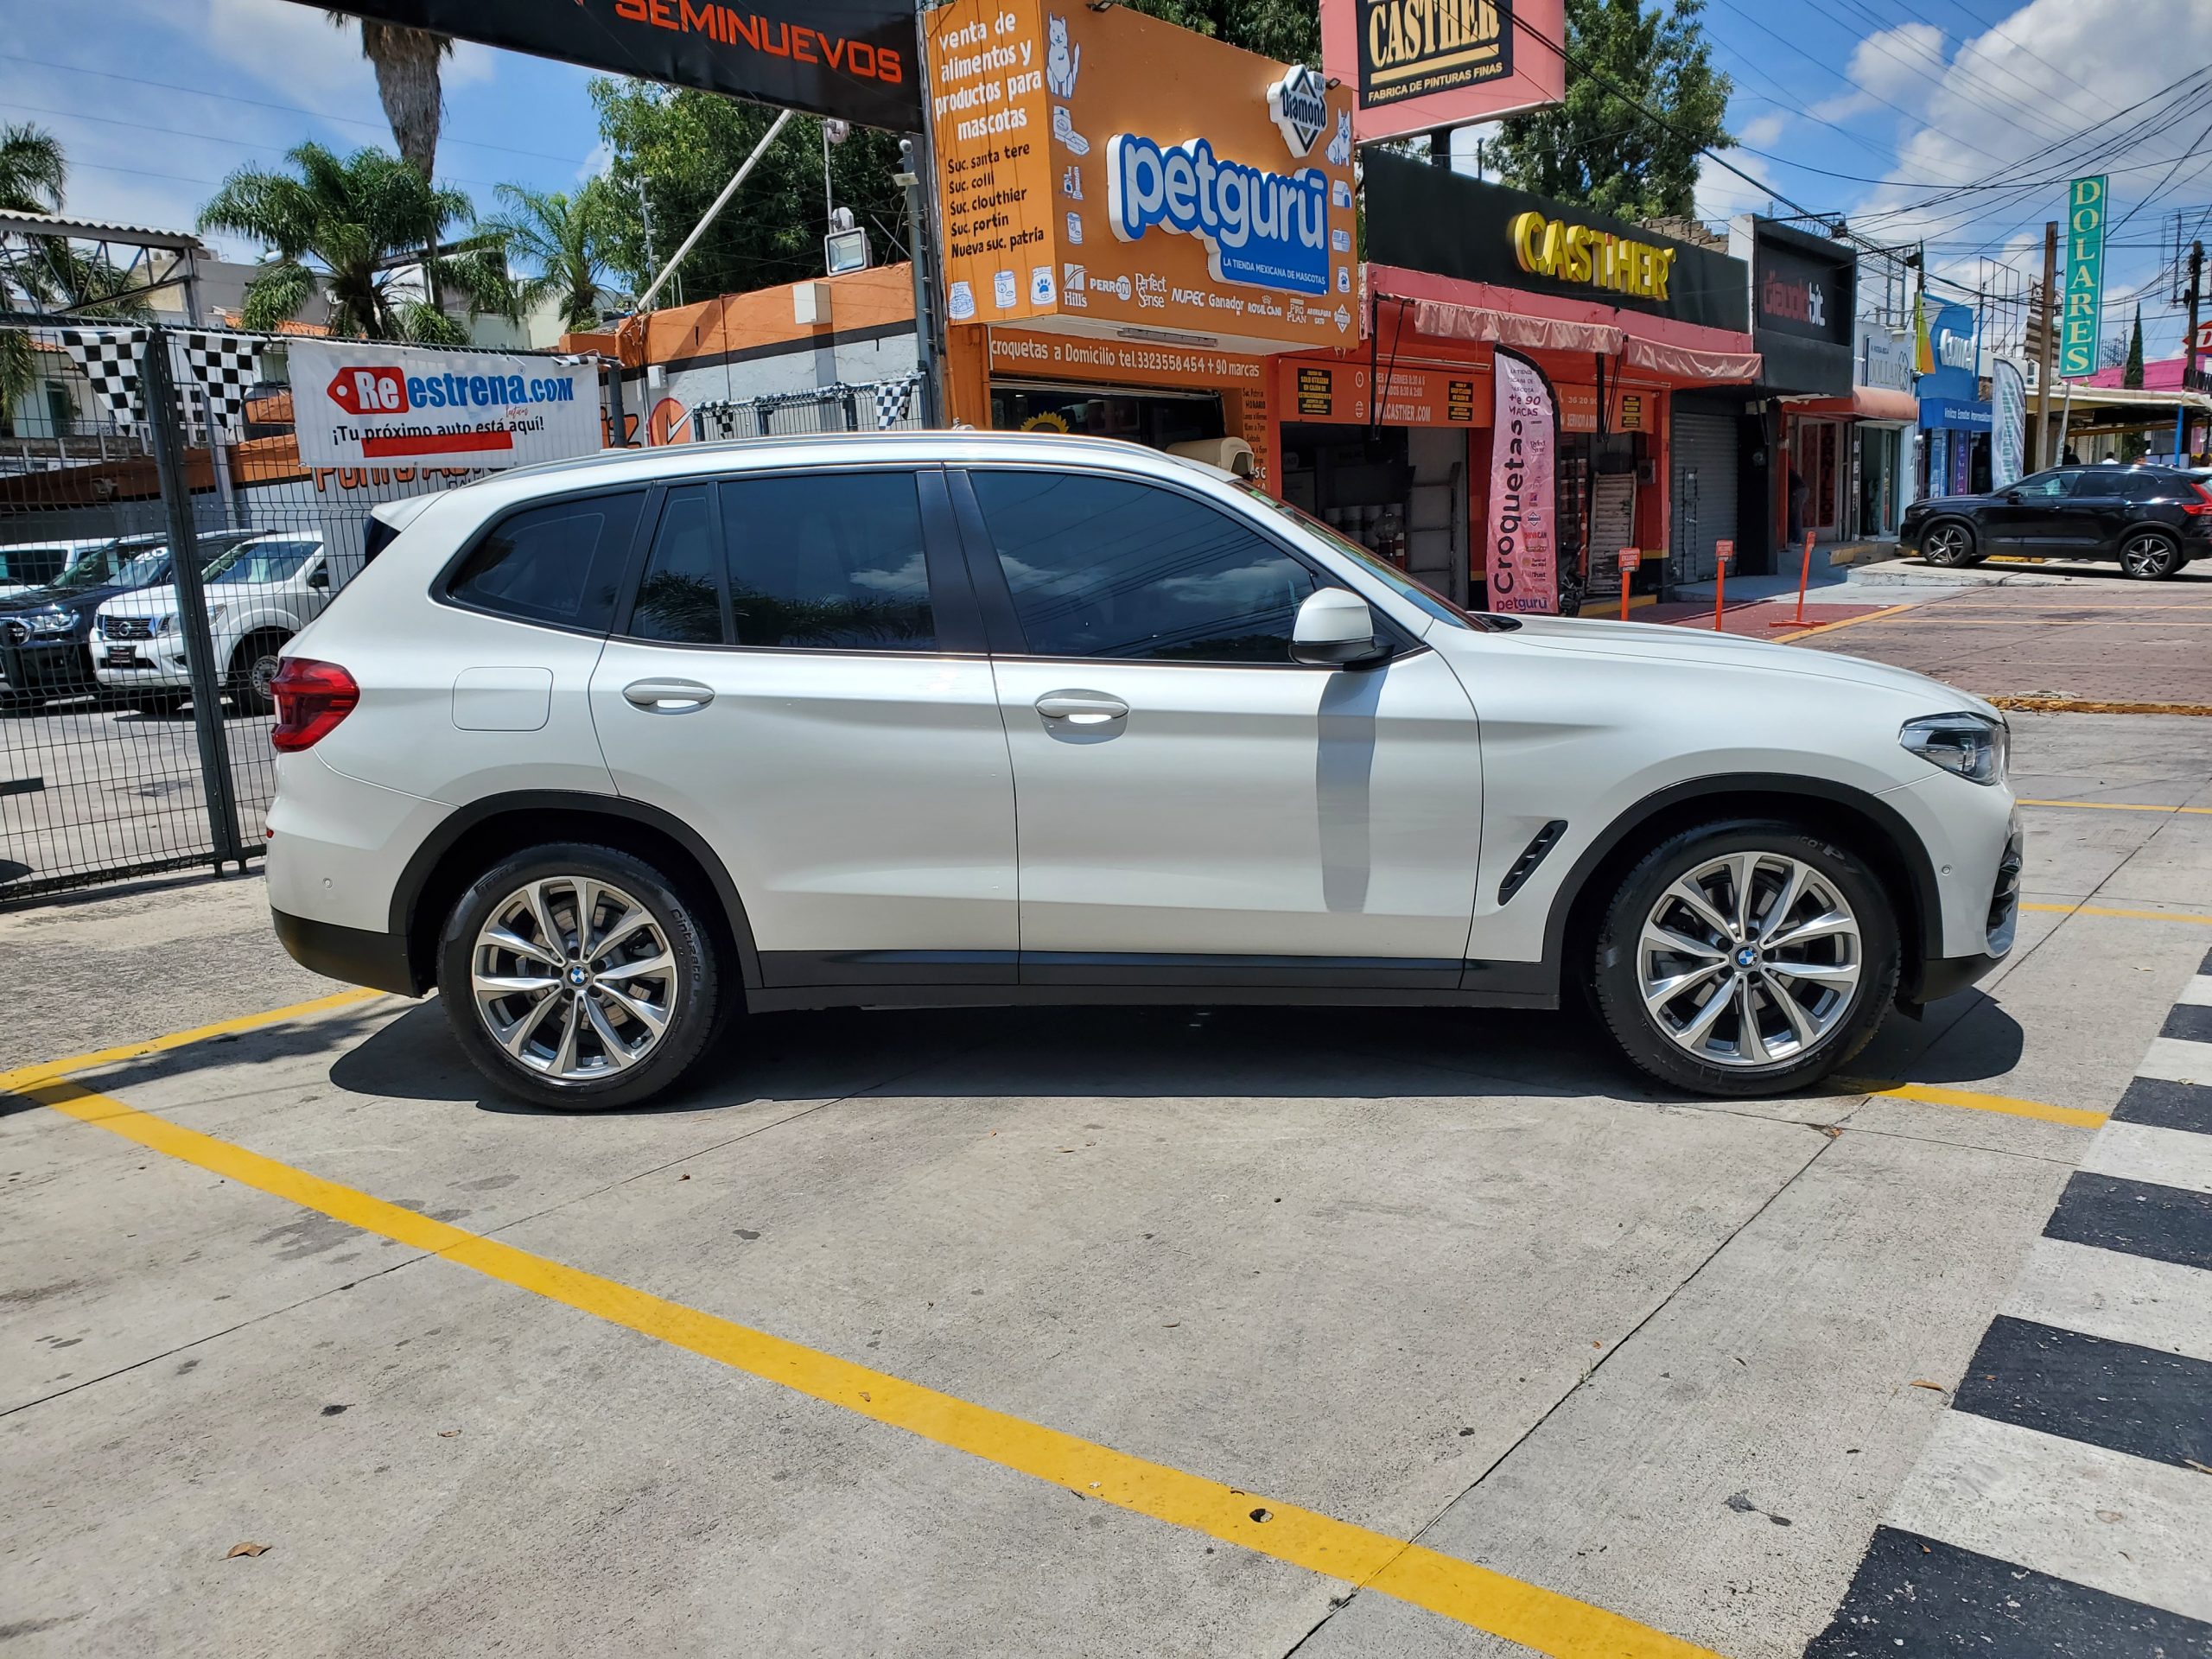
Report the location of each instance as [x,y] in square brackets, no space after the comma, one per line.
[668,696]
[1082,707]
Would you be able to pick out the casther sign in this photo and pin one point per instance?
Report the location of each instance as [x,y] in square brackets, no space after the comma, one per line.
[854,59]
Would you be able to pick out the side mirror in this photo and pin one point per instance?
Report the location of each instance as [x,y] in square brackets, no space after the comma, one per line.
[1335,629]
[319,577]
[2014,497]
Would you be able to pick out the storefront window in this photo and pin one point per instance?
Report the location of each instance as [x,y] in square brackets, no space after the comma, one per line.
[1398,582]
[1155,420]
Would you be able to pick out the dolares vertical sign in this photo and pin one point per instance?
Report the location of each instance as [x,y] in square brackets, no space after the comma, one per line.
[2085,276]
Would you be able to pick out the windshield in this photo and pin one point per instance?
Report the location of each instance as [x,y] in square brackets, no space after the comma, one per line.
[261,561]
[116,564]
[25,565]
[1396,579]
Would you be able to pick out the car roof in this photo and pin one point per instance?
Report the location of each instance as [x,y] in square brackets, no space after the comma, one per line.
[820,448]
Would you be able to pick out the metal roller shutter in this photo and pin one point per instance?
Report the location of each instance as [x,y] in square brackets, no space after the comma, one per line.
[1704,491]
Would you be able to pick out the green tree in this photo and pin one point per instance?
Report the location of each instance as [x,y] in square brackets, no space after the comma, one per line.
[676,149]
[1288,31]
[33,174]
[356,221]
[409,86]
[2132,374]
[563,239]
[1596,147]
[42,273]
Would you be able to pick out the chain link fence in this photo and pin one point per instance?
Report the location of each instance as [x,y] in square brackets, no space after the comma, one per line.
[866,406]
[135,707]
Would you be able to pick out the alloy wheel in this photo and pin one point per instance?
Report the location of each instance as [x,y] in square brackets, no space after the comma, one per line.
[1945,544]
[1749,959]
[574,979]
[2147,556]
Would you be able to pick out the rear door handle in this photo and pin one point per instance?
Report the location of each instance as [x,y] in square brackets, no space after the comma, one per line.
[1082,707]
[668,696]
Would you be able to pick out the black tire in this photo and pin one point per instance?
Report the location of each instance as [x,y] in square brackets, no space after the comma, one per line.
[253,665]
[692,1006]
[1616,981]
[1951,544]
[2149,555]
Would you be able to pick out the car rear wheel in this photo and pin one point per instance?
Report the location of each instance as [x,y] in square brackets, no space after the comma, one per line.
[253,671]
[1951,544]
[2148,556]
[579,978]
[1745,958]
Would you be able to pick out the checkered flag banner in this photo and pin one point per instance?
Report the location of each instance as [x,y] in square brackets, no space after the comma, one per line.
[893,399]
[114,360]
[226,368]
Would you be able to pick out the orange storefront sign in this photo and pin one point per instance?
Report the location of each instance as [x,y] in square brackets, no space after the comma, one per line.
[1102,173]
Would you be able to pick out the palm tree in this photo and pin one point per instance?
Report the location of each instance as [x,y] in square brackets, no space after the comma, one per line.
[406,61]
[356,221]
[562,238]
[32,171]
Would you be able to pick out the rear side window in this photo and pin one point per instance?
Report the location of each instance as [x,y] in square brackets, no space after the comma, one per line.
[1105,566]
[828,561]
[2141,486]
[560,563]
[680,596]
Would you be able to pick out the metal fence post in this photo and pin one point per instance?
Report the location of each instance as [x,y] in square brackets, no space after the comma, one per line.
[164,415]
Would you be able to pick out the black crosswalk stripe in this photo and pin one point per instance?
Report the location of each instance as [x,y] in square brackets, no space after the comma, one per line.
[2062,1507]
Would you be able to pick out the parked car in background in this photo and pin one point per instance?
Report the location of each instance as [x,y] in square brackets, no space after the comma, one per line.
[34,564]
[2152,520]
[611,749]
[260,593]
[46,634]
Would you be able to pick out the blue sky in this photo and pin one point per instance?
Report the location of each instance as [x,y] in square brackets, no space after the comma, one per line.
[1943,93]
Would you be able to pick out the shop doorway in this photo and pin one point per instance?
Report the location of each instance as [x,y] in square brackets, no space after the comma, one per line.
[1818,457]
[1703,446]
[1401,492]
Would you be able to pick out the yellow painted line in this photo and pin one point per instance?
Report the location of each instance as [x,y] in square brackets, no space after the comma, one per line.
[24,1076]
[2119,806]
[2129,915]
[1457,1590]
[1975,1102]
[2098,706]
[1847,622]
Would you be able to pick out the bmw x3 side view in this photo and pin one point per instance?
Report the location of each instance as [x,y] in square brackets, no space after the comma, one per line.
[612,751]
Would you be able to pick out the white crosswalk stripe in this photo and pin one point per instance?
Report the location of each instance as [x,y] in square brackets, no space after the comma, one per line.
[2177,1060]
[2121,1298]
[2115,1523]
[2197,993]
[2137,1152]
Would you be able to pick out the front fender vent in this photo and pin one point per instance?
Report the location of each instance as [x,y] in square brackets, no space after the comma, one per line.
[1531,855]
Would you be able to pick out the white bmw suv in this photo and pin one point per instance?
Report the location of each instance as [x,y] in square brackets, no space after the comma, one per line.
[611,750]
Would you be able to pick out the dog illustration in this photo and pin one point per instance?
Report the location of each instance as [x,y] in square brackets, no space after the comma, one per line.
[1061,59]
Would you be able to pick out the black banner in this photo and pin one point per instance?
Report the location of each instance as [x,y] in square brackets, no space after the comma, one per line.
[1804,299]
[851,59]
[1425,218]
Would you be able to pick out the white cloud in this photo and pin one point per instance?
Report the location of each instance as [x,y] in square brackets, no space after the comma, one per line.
[290,47]
[1761,131]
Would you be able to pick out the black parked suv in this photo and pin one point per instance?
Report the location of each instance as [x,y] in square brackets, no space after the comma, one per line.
[2153,520]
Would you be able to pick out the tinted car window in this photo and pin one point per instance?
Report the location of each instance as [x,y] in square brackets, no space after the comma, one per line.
[31,566]
[1103,567]
[559,563]
[680,596]
[2139,487]
[828,561]
[2044,486]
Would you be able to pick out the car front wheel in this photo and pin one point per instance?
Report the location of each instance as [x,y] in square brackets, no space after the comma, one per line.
[2148,557]
[579,978]
[1950,544]
[1745,958]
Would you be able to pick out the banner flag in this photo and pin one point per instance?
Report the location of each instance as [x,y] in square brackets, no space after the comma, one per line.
[361,405]
[1522,529]
[2008,391]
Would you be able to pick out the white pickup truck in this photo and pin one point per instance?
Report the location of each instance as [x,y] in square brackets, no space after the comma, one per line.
[259,595]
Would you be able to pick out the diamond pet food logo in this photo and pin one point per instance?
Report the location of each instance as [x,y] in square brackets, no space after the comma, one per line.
[1298,104]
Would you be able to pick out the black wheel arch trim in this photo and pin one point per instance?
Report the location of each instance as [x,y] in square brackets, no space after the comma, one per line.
[450,829]
[1924,946]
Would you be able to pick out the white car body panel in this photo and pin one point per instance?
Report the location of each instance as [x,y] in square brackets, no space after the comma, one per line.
[236,612]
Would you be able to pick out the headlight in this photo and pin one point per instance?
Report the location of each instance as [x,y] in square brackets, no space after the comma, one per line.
[1974,745]
[167,624]
[53,622]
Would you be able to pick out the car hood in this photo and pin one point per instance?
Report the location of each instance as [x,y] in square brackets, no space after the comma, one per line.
[45,599]
[1702,648]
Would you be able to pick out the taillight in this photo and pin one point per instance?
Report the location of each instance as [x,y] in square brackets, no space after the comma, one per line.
[312,698]
[2204,500]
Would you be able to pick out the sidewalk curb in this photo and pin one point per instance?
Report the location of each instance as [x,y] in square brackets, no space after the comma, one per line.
[2097,706]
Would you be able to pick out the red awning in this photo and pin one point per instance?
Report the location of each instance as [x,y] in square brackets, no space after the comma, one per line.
[1444,319]
[1865,403]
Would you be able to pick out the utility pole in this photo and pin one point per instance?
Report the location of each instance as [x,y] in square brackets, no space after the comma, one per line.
[2188,357]
[2044,454]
